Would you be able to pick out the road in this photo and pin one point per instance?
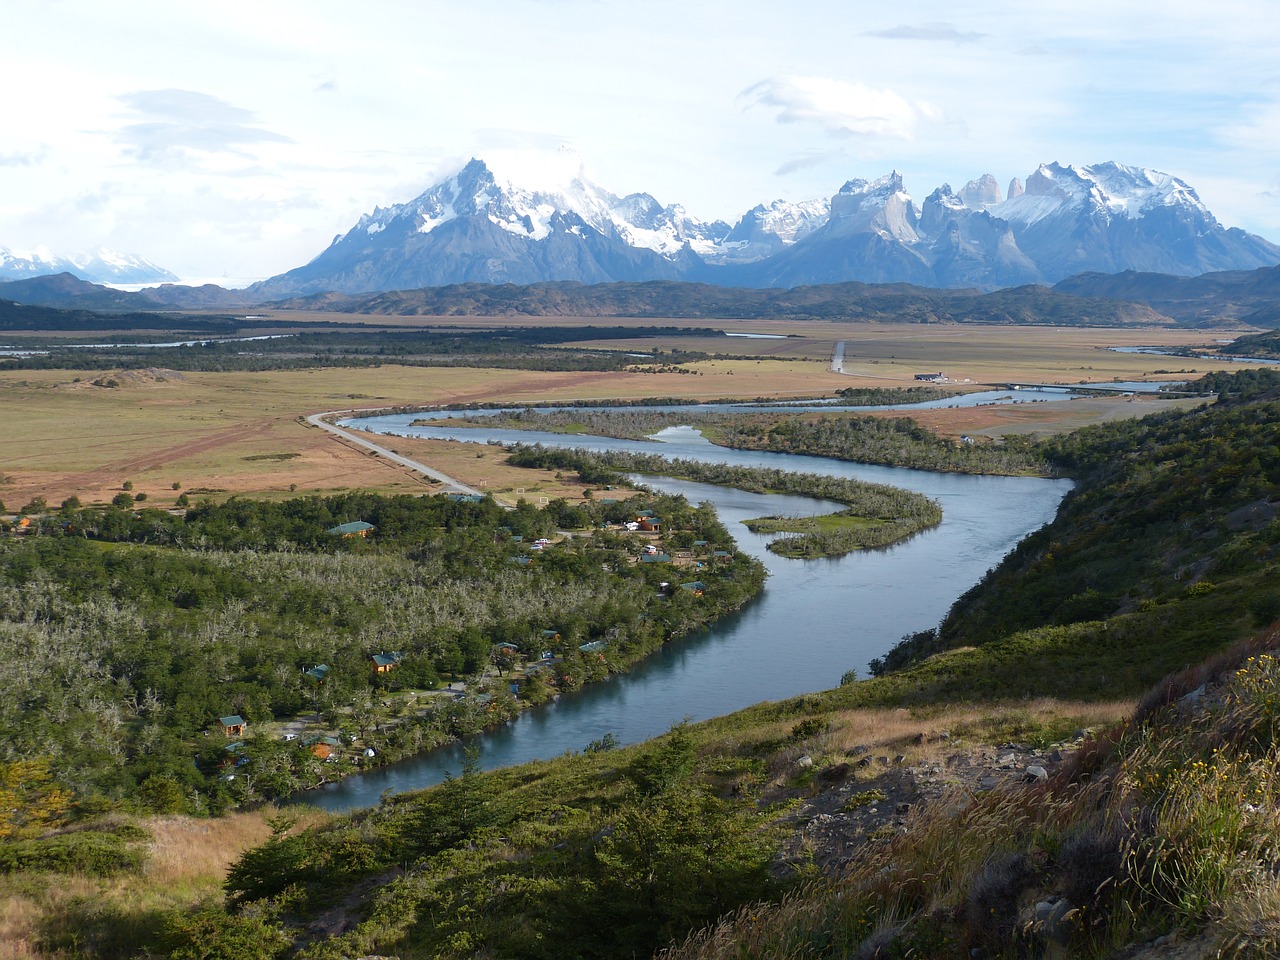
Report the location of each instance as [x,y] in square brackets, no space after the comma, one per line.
[452,485]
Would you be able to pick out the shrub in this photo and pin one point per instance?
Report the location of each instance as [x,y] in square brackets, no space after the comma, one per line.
[97,854]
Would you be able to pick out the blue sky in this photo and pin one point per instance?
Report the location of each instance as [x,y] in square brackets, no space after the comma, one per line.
[237,139]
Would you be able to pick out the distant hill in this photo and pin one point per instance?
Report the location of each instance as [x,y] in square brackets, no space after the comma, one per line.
[67,291]
[1234,296]
[656,299]
[25,316]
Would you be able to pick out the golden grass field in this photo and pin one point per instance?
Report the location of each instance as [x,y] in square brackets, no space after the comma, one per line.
[243,432]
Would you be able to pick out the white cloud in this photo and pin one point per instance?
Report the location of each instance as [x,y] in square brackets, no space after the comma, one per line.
[841,108]
[172,123]
[945,32]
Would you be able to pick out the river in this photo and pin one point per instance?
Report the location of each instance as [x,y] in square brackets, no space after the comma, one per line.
[814,620]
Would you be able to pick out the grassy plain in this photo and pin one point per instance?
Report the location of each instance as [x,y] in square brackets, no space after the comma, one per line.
[237,432]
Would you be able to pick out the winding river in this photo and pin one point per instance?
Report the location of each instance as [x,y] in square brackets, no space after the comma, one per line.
[814,620]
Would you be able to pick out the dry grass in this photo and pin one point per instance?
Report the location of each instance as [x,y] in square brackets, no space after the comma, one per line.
[187,862]
[157,428]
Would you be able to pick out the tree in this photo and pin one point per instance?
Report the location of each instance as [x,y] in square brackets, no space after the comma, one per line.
[122,500]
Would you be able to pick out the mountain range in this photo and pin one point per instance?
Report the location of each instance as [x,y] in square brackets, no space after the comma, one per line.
[482,226]
[104,266]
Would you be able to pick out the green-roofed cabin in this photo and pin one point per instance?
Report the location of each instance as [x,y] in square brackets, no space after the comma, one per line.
[696,587]
[386,662]
[233,726]
[356,528]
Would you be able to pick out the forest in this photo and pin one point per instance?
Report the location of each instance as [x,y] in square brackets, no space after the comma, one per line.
[127,633]
[316,346]
[886,441]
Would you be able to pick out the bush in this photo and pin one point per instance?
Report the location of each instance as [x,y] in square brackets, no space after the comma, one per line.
[97,854]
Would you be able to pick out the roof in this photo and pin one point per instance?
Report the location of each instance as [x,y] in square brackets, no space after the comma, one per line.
[593,646]
[318,672]
[355,526]
[656,558]
[235,720]
[694,585]
[386,659]
[552,634]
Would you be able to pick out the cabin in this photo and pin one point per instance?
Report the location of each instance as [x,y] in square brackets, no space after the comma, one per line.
[722,555]
[465,497]
[386,662]
[595,646]
[650,525]
[319,673]
[356,528]
[696,587]
[520,561]
[233,726]
[549,635]
[656,558]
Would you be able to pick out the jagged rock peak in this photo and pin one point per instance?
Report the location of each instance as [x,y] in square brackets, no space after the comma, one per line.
[981,193]
[1016,189]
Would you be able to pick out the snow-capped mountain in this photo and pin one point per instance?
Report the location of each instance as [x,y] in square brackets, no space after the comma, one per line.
[512,219]
[509,222]
[104,266]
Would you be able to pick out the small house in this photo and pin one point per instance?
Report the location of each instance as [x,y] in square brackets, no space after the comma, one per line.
[549,635]
[656,558]
[650,525]
[233,726]
[386,662]
[722,555]
[356,528]
[319,673]
[696,587]
[595,646]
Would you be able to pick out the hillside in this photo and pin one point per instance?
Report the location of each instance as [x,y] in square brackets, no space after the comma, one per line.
[902,303]
[1231,297]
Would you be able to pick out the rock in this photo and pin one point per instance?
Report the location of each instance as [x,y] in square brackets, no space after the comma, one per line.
[804,762]
[835,774]
[1192,700]
[900,758]
[918,739]
[1036,773]
[902,808]
[858,750]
